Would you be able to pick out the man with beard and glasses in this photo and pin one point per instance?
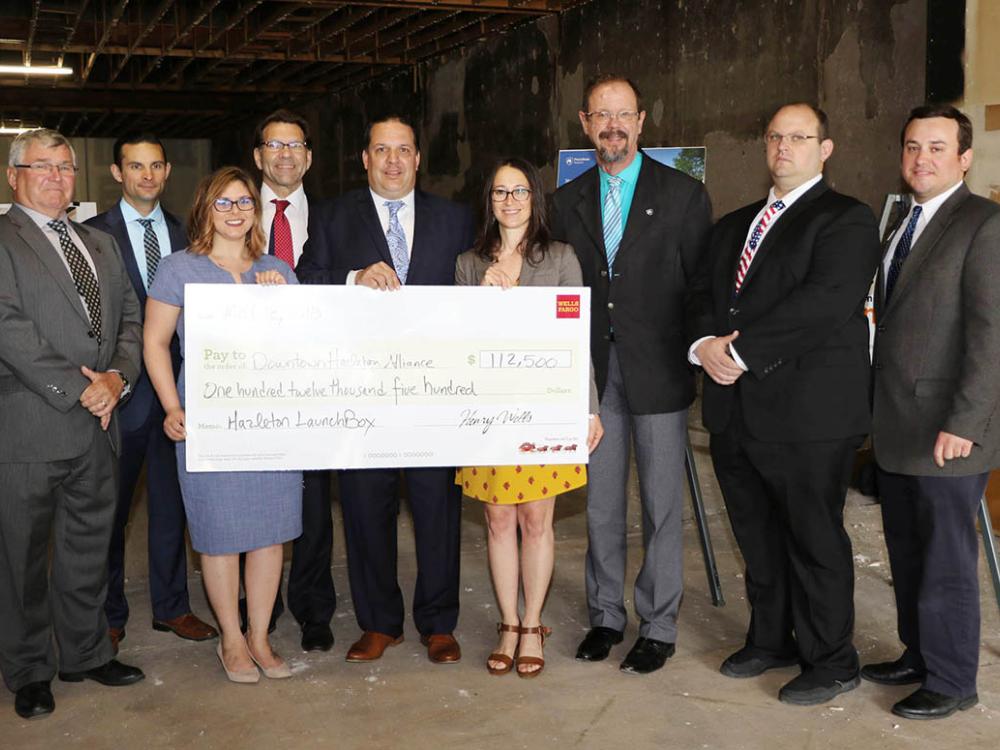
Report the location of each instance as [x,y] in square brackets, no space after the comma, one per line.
[638,228]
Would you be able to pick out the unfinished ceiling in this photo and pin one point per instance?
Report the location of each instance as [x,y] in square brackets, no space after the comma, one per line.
[190,68]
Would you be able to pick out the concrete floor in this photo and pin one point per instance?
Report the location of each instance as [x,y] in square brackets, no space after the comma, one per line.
[403,700]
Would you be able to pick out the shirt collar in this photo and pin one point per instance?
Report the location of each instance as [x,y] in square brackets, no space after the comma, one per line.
[130,214]
[380,201]
[793,195]
[42,220]
[296,198]
[931,206]
[628,175]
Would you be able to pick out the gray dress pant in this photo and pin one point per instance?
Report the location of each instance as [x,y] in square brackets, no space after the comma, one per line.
[660,440]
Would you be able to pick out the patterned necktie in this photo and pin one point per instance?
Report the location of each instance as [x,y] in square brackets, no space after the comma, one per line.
[281,234]
[396,240]
[750,250]
[613,219]
[902,251]
[152,246]
[83,277]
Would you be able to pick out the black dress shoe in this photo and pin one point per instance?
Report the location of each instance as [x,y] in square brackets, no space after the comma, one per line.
[113,674]
[316,636]
[892,673]
[749,663]
[809,690]
[647,655]
[34,700]
[926,704]
[596,645]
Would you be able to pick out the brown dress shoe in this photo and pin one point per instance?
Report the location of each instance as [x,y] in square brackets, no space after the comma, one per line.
[188,627]
[370,646]
[117,635]
[442,649]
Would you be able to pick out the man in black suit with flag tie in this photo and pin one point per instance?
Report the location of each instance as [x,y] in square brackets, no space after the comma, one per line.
[146,232]
[383,236]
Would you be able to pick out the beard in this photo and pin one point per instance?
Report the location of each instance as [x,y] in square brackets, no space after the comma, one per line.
[608,154]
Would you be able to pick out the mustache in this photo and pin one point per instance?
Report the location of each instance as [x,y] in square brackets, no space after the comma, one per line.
[614,133]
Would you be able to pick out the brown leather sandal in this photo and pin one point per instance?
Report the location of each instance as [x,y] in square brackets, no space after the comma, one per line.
[542,632]
[506,661]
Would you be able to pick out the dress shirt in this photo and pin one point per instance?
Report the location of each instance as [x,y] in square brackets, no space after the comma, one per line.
[53,237]
[137,235]
[788,199]
[406,218]
[927,212]
[629,176]
[297,212]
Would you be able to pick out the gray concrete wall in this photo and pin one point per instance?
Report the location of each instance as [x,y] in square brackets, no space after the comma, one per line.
[711,71]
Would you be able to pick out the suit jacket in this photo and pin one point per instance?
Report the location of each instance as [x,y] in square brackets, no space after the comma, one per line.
[558,267]
[135,412]
[665,234]
[45,337]
[345,235]
[937,344]
[800,314]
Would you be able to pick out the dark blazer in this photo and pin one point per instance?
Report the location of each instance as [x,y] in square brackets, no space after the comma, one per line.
[937,344]
[136,409]
[800,314]
[45,337]
[666,233]
[345,235]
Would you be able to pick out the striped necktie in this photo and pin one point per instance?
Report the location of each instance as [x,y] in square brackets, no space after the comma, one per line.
[613,219]
[396,239]
[750,249]
[152,247]
[902,252]
[83,278]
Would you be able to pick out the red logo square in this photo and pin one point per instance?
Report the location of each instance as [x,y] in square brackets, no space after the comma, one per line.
[567,305]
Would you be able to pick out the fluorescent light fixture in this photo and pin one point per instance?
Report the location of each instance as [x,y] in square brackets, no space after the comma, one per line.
[16,129]
[35,70]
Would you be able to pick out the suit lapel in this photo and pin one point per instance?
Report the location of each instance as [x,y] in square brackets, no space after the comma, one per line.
[102,262]
[120,232]
[175,229]
[897,221]
[369,218]
[422,244]
[646,199]
[588,210]
[737,242]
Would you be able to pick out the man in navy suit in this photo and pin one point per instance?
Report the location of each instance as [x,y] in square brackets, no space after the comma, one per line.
[384,236]
[283,153]
[145,232]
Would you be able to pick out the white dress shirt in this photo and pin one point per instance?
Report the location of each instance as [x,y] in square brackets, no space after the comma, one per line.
[137,235]
[788,199]
[297,212]
[406,216]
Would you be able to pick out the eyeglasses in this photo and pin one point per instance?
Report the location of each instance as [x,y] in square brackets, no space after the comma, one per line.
[275,145]
[500,194]
[225,205]
[796,139]
[45,167]
[603,116]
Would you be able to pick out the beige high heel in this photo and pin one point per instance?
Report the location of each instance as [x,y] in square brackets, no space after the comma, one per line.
[244,676]
[280,672]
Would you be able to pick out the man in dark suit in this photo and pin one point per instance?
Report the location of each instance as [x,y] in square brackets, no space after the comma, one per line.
[638,228]
[935,432]
[145,233]
[283,153]
[70,346]
[384,236]
[784,340]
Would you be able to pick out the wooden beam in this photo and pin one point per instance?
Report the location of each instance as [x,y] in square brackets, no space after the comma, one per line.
[158,13]
[116,15]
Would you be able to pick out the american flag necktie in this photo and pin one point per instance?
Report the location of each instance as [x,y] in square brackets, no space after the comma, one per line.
[750,249]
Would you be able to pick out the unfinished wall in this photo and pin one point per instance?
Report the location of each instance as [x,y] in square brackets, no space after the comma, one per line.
[711,72]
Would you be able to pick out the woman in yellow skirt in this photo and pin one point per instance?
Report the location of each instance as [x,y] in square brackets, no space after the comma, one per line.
[514,249]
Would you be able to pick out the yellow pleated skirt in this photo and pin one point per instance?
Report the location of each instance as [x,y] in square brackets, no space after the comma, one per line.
[511,485]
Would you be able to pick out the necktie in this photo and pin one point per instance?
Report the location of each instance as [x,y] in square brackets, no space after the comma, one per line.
[902,251]
[613,219]
[281,234]
[152,247]
[83,277]
[396,240]
[750,250]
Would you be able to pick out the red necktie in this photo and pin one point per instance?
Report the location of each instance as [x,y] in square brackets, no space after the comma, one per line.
[281,234]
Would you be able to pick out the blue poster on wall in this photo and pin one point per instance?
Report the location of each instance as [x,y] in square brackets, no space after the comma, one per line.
[574,162]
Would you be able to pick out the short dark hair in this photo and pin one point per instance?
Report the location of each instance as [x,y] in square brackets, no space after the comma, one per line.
[926,111]
[606,78]
[282,115]
[133,139]
[535,243]
[823,122]
[401,119]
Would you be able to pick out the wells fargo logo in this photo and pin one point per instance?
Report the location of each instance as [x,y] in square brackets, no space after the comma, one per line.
[567,305]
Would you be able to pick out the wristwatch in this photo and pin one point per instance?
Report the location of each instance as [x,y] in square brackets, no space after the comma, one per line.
[126,386]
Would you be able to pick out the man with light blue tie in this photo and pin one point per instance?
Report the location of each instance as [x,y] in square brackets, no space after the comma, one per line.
[145,233]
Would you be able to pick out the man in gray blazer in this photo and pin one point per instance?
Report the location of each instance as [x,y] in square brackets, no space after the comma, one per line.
[936,433]
[70,345]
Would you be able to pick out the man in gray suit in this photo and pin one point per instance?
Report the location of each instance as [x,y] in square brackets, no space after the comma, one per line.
[936,433]
[70,345]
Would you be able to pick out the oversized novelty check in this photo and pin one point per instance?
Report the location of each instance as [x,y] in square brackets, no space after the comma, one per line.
[312,377]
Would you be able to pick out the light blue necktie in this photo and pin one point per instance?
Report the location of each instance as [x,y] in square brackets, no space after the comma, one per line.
[613,219]
[396,240]
[902,252]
